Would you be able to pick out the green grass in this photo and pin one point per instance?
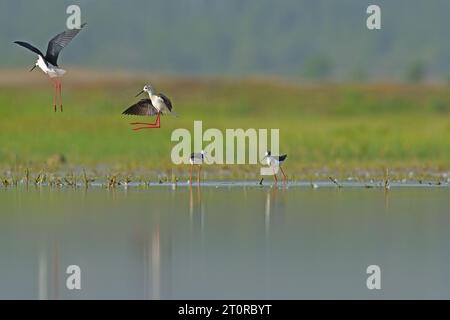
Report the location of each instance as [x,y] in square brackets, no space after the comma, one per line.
[340,127]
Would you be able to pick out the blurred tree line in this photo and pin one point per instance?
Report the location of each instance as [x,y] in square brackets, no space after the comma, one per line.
[304,39]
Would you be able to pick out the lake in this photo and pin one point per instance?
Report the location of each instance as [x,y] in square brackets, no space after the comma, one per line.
[224,241]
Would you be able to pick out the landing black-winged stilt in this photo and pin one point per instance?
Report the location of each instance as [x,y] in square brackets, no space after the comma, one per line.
[275,161]
[156,104]
[197,158]
[49,62]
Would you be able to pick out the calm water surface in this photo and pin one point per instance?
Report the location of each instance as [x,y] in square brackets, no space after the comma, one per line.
[228,242]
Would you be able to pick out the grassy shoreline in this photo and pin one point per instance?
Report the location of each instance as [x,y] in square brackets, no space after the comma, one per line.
[327,129]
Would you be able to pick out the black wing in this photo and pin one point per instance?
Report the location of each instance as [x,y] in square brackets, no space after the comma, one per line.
[167,101]
[29,47]
[58,42]
[143,108]
[282,157]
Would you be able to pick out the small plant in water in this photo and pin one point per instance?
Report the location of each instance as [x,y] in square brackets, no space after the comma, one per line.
[335,182]
[40,179]
[112,182]
[387,184]
[86,179]
[126,182]
[5,182]
[27,176]
[71,180]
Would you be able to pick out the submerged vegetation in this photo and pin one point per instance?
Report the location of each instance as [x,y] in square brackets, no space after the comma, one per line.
[346,131]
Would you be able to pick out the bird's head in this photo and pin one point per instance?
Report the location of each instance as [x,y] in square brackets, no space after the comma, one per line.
[35,65]
[267,154]
[147,88]
[204,154]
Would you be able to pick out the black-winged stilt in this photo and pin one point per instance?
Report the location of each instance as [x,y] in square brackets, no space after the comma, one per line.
[156,104]
[49,62]
[275,161]
[197,158]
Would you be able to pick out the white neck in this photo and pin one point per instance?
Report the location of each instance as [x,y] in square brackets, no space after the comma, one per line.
[152,94]
[41,64]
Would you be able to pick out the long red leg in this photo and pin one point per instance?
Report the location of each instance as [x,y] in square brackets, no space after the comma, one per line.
[57,91]
[150,124]
[60,96]
[275,176]
[54,94]
[198,176]
[284,176]
[190,175]
[156,124]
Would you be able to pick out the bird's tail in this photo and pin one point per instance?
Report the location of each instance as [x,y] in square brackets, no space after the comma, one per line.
[60,72]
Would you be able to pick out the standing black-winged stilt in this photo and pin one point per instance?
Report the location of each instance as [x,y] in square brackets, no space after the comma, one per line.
[275,161]
[196,159]
[49,62]
[156,104]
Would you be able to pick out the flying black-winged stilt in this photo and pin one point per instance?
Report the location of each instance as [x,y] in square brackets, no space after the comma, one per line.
[275,161]
[156,104]
[197,158]
[49,62]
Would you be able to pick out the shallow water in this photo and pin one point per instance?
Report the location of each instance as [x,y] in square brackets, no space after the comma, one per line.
[229,241]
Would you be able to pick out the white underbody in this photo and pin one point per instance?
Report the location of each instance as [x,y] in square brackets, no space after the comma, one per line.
[159,104]
[196,161]
[51,71]
[198,158]
[271,161]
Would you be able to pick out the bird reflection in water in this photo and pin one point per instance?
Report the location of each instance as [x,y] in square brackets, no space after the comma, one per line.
[48,271]
[274,208]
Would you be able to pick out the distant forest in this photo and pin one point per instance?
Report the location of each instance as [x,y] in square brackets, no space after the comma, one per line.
[299,39]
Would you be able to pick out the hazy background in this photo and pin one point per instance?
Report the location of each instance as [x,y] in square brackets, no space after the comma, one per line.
[360,106]
[346,99]
[299,39]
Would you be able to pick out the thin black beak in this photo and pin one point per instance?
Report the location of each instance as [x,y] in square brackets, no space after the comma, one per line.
[142,91]
[33,68]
